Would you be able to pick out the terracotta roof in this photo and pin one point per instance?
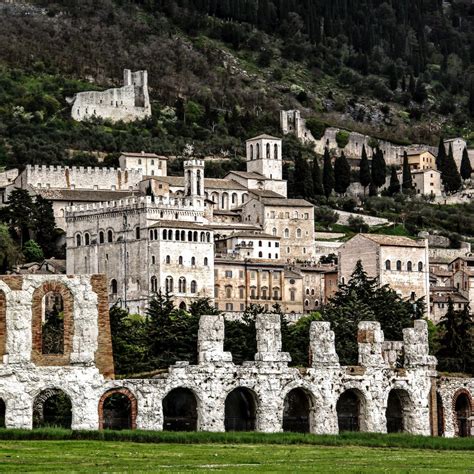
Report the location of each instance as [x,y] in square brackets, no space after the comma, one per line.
[292,274]
[418,152]
[143,155]
[286,202]
[444,298]
[264,136]
[393,240]
[266,193]
[251,234]
[82,195]
[209,183]
[179,225]
[249,175]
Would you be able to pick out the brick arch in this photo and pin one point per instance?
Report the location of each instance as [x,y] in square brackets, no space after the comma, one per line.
[3,325]
[457,393]
[133,405]
[42,397]
[37,355]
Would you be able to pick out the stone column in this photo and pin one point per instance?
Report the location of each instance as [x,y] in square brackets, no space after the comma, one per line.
[211,340]
[322,345]
[370,339]
[415,341]
[269,339]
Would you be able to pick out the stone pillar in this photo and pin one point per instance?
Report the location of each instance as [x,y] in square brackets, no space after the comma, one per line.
[322,345]
[415,341]
[211,340]
[370,339]
[269,339]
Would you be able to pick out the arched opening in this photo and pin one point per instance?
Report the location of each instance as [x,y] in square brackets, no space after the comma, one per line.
[3,410]
[117,410]
[462,407]
[349,411]
[52,408]
[394,413]
[240,410]
[296,411]
[440,413]
[52,330]
[113,287]
[180,410]
[110,236]
[182,305]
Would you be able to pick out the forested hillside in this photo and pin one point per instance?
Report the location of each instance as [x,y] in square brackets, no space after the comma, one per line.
[220,70]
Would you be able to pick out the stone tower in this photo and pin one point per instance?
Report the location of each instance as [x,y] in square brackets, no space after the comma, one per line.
[194,178]
[264,156]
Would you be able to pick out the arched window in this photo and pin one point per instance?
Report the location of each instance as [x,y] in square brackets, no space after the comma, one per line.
[298,233]
[113,286]
[87,239]
[251,152]
[260,243]
[155,234]
[208,237]
[274,232]
[180,260]
[169,284]
[165,234]
[170,234]
[260,254]
[176,235]
[388,265]
[137,232]
[234,198]
[193,261]
[420,266]
[182,285]
[168,259]
[399,265]
[154,284]
[287,233]
[292,294]
[203,237]
[258,151]
[206,261]
[195,236]
[101,237]
[183,235]
[110,236]
[228,292]
[190,236]
[275,151]
[268,151]
[193,287]
[78,240]
[409,266]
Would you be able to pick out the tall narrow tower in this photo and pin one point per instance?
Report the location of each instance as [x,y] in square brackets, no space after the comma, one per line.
[264,156]
[194,178]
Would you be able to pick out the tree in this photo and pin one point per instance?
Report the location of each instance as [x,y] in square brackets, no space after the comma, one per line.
[33,252]
[450,174]
[456,352]
[379,170]
[362,299]
[407,181]
[441,156]
[466,168]
[45,226]
[364,171]
[317,178]
[394,187]
[342,174]
[19,214]
[328,174]
[9,253]
[303,177]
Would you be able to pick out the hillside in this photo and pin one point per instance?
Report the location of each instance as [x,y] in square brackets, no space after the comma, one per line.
[221,71]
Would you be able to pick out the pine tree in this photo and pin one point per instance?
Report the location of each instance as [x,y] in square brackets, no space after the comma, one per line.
[342,174]
[441,156]
[45,226]
[466,168]
[379,170]
[364,170]
[407,181]
[317,178]
[394,187]
[303,177]
[328,174]
[450,174]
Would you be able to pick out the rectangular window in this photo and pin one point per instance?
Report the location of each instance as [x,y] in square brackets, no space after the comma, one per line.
[242,307]
[241,274]
[229,307]
[253,275]
[228,273]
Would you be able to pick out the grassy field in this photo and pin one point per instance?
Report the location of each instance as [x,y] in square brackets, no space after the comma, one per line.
[81,456]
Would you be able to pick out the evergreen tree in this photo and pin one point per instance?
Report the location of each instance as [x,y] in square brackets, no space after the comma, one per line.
[379,169]
[317,178]
[303,177]
[45,226]
[466,168]
[394,187]
[450,174]
[342,174]
[9,252]
[33,252]
[407,182]
[441,156]
[19,214]
[364,170]
[328,174]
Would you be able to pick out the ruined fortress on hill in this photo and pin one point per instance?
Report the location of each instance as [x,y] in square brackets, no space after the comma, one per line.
[394,387]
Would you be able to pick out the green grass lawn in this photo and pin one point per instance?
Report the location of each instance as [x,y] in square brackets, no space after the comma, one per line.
[80,456]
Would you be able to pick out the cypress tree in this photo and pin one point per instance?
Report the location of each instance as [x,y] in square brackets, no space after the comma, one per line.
[342,174]
[379,170]
[328,174]
[364,171]
[441,157]
[299,175]
[450,174]
[407,181]
[394,187]
[317,178]
[466,168]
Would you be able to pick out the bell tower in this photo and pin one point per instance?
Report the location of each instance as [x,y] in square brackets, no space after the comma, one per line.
[264,156]
[194,178]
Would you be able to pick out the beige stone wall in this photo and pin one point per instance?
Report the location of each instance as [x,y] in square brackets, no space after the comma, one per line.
[358,248]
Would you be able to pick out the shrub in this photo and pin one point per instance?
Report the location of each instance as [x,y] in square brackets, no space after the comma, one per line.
[342,138]
[316,127]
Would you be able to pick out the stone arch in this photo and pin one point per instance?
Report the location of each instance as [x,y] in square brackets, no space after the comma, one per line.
[399,408]
[52,407]
[118,409]
[298,410]
[240,412]
[37,355]
[462,411]
[180,410]
[351,410]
